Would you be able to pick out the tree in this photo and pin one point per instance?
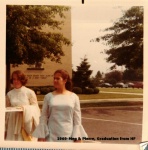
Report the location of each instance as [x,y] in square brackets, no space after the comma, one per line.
[133,75]
[125,39]
[81,77]
[96,80]
[113,77]
[98,75]
[26,41]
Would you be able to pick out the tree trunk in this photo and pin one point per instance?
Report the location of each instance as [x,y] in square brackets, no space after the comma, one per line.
[8,84]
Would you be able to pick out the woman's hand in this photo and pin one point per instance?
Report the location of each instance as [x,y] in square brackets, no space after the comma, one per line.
[41,139]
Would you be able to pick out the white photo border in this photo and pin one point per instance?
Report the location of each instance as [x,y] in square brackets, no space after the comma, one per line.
[54,145]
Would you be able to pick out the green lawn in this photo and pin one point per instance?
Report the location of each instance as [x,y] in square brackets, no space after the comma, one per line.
[107,95]
[127,90]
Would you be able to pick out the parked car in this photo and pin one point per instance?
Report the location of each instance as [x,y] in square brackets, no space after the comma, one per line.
[130,85]
[138,85]
[106,85]
[121,85]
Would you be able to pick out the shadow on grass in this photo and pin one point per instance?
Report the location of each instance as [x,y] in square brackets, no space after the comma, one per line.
[106,104]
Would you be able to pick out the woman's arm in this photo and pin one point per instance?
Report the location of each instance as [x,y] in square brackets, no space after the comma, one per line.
[78,130]
[77,112]
[32,98]
[77,116]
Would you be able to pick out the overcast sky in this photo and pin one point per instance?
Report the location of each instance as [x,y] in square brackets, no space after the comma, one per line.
[88,21]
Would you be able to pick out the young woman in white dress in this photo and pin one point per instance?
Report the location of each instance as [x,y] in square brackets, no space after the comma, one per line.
[21,96]
[60,119]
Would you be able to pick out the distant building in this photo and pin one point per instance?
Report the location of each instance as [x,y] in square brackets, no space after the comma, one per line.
[42,74]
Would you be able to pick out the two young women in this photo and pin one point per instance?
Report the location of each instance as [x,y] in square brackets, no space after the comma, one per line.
[60,119]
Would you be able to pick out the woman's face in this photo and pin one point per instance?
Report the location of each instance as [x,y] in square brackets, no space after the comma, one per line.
[59,82]
[16,82]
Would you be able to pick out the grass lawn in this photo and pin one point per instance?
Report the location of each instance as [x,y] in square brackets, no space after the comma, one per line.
[126,90]
[107,96]
[101,96]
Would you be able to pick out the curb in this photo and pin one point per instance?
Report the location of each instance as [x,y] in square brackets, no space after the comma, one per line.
[112,100]
[125,100]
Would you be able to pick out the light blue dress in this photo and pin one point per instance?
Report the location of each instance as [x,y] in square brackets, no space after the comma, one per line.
[60,120]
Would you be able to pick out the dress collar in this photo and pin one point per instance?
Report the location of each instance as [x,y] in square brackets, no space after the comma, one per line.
[19,89]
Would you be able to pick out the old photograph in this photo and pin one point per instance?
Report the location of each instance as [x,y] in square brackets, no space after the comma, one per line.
[74,74]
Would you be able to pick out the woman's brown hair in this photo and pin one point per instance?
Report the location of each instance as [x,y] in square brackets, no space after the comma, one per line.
[65,75]
[20,75]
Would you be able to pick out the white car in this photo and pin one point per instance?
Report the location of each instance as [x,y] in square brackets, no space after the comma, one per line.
[122,85]
[130,84]
[106,85]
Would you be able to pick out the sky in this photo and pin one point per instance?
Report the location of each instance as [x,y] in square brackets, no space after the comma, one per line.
[88,22]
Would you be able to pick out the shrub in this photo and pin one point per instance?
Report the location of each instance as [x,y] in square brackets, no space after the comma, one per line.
[36,89]
[51,89]
[45,90]
[88,91]
[77,90]
[96,90]
[92,85]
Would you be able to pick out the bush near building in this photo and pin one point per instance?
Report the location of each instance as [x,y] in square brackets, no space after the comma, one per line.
[42,90]
[45,90]
[87,90]
[77,90]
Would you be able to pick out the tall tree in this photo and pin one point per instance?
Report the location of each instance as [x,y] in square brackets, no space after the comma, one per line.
[98,75]
[96,80]
[125,39]
[81,77]
[133,75]
[113,77]
[26,41]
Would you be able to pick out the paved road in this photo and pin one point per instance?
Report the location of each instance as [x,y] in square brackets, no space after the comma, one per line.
[115,124]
